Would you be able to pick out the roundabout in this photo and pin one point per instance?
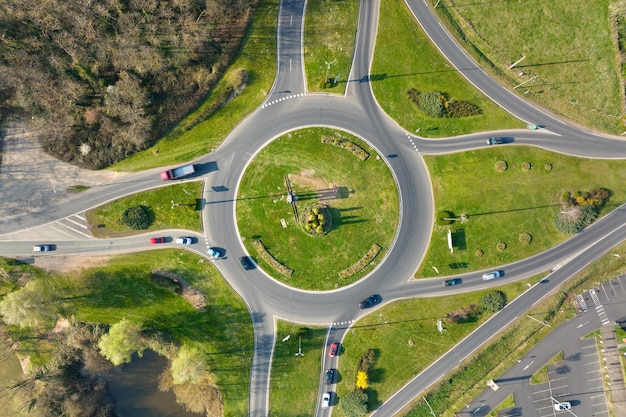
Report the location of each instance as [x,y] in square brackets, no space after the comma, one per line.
[343,206]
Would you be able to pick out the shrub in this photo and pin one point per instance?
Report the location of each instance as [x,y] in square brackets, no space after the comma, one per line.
[367,360]
[354,404]
[493,301]
[565,198]
[361,380]
[317,220]
[456,109]
[272,262]
[547,166]
[441,215]
[574,220]
[136,218]
[526,166]
[430,103]
[479,253]
[413,95]
[525,238]
[501,166]
[501,246]
[348,145]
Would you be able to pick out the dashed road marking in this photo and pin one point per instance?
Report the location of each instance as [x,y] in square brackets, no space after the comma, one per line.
[281,99]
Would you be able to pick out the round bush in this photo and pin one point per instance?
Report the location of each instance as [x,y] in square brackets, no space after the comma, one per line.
[547,166]
[501,166]
[493,301]
[430,103]
[136,218]
[501,246]
[525,238]
[526,166]
[317,220]
[479,253]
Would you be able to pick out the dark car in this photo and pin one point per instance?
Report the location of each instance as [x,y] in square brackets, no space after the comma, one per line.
[452,282]
[334,348]
[155,240]
[330,376]
[247,263]
[494,140]
[370,301]
[43,248]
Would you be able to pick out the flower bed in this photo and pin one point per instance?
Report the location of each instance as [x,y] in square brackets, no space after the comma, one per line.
[363,262]
[346,144]
[267,257]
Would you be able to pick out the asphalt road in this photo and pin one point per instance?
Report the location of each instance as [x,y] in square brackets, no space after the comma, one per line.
[287,108]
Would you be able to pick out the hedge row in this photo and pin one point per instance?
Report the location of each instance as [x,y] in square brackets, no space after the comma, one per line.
[267,257]
[363,262]
[346,144]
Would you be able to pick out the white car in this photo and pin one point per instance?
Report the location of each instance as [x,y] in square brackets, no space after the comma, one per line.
[184,240]
[562,406]
[326,400]
[492,275]
[213,254]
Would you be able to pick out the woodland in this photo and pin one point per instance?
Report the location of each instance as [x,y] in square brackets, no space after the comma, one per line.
[103,79]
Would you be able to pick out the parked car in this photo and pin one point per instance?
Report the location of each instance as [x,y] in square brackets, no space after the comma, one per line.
[452,282]
[155,240]
[326,400]
[495,140]
[370,301]
[334,348]
[330,376]
[184,240]
[42,248]
[562,406]
[492,275]
[247,263]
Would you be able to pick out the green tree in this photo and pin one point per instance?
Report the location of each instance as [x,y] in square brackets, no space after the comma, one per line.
[354,404]
[33,305]
[494,301]
[189,365]
[124,339]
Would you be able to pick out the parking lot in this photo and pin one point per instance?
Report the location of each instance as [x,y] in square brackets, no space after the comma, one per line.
[576,379]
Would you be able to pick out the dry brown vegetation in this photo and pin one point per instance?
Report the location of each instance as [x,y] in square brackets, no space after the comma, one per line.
[104,78]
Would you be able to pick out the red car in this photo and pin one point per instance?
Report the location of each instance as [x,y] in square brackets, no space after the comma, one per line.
[334,348]
[156,240]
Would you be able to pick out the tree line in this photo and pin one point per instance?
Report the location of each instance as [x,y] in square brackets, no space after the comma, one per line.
[103,79]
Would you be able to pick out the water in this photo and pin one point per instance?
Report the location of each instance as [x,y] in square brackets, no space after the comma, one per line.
[135,389]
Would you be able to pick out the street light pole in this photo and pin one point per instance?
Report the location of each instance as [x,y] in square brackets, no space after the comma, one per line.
[431,409]
[328,64]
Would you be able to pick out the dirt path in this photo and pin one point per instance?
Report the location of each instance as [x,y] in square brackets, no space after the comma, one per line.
[30,178]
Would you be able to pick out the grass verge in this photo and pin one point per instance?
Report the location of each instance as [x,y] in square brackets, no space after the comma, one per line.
[329,35]
[503,205]
[541,375]
[404,59]
[508,402]
[405,338]
[295,379]
[574,57]
[469,380]
[361,195]
[104,221]
[206,131]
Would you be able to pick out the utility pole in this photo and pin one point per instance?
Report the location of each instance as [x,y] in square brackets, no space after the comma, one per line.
[299,353]
[431,409]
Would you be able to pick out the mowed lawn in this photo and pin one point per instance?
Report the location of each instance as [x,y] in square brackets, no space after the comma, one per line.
[365,208]
[568,46]
[404,59]
[329,37]
[502,206]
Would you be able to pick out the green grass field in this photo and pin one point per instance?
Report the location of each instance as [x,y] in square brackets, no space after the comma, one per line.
[329,36]
[366,212]
[258,57]
[295,379]
[405,58]
[105,220]
[568,46]
[501,206]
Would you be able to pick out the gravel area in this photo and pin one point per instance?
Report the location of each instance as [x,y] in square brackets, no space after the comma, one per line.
[30,178]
